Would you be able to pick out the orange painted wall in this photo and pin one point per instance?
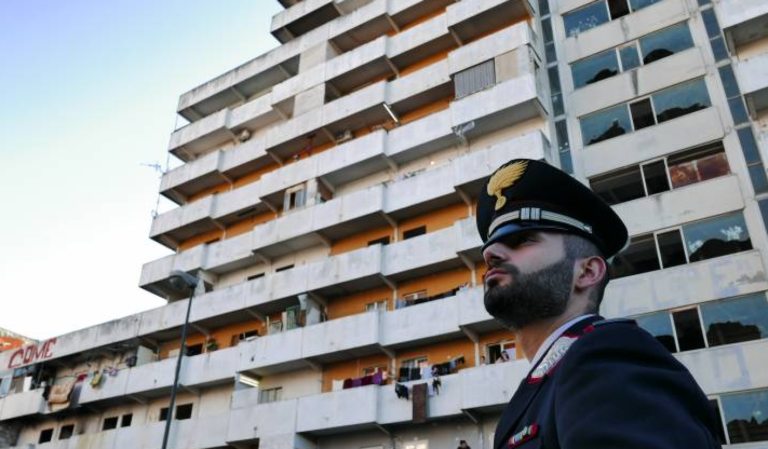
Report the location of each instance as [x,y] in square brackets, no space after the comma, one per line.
[423,19]
[480,269]
[249,223]
[361,240]
[436,220]
[254,176]
[351,369]
[436,283]
[355,304]
[441,352]
[223,187]
[496,337]
[426,62]
[206,237]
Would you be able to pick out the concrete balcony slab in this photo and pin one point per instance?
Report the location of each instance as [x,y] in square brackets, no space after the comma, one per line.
[653,142]
[250,421]
[470,19]
[351,409]
[405,327]
[190,141]
[728,368]
[303,17]
[752,74]
[743,21]
[683,205]
[342,339]
[630,27]
[707,280]
[421,41]
[23,404]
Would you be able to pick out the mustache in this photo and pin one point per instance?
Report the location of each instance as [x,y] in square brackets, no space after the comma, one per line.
[508,267]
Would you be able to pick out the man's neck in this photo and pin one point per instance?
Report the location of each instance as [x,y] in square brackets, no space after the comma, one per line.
[531,337]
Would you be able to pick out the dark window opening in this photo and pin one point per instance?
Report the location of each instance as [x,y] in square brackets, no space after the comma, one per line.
[66,432]
[619,187]
[639,257]
[660,326]
[109,423]
[45,436]
[195,349]
[126,420]
[183,411]
[656,180]
[671,249]
[618,8]
[415,232]
[642,114]
[383,241]
[163,413]
[255,276]
[688,328]
[718,421]
[287,267]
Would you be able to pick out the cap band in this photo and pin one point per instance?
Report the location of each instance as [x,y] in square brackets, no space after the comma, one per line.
[535,214]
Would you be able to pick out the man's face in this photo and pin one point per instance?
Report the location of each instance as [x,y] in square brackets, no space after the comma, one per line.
[529,278]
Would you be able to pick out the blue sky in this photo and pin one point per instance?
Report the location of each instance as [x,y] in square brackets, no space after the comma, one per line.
[89,91]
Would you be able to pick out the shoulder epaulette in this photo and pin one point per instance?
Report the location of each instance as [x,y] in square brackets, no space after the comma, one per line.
[614,321]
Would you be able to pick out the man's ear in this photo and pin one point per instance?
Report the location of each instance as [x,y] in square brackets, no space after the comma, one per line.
[590,272]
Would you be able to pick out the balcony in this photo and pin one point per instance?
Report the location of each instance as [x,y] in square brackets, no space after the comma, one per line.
[729,368]
[302,17]
[707,280]
[622,88]
[345,410]
[743,21]
[625,29]
[22,404]
[469,19]
[752,74]
[251,422]
[652,142]
[675,207]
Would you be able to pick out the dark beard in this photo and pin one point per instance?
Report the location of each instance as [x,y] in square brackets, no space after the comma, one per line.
[530,297]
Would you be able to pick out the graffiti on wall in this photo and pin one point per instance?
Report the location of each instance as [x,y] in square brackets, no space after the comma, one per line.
[32,353]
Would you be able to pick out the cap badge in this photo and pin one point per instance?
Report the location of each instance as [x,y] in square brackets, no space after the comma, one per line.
[503,179]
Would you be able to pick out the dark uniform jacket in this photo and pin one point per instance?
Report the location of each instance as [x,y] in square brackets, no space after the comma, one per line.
[607,384]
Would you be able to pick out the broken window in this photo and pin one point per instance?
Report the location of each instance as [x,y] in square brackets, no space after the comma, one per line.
[415,232]
[681,100]
[715,404]
[699,164]
[618,8]
[66,432]
[45,436]
[184,411]
[595,68]
[665,43]
[605,124]
[193,350]
[126,420]
[163,413]
[585,18]
[718,236]
[655,175]
[639,257]
[746,416]
[642,114]
[620,186]
[735,320]
[671,249]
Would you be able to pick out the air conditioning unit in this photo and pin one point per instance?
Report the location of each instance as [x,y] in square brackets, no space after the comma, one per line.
[344,137]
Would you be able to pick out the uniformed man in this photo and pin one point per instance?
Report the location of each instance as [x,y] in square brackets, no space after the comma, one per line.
[593,383]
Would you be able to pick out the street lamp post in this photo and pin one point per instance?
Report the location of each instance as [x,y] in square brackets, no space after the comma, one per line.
[182,281]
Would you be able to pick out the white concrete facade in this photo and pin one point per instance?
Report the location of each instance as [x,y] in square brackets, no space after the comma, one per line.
[386,70]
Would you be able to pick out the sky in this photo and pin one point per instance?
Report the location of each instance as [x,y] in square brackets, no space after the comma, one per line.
[89,91]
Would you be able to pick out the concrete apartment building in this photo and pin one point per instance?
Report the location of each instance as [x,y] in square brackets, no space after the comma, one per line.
[327,201]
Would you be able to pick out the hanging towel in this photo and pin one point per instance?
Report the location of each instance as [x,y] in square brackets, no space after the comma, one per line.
[420,403]
[96,379]
[401,391]
[366,380]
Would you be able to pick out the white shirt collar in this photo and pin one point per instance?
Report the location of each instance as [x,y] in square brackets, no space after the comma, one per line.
[554,336]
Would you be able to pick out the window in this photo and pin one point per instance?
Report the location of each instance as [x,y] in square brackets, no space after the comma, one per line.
[183,411]
[421,444]
[754,163]
[494,350]
[618,8]
[715,404]
[620,186]
[193,350]
[606,124]
[585,18]
[66,432]
[295,197]
[45,436]
[698,165]
[688,329]
[652,47]
[109,423]
[255,276]
[595,68]
[642,114]
[126,420]
[640,4]
[415,232]
[660,326]
[665,43]
[270,395]
[639,257]
[163,413]
[415,295]
[715,237]
[684,99]
[415,362]
[475,79]
[671,248]
[666,105]
[746,416]
[377,306]
[655,176]
[380,241]
[370,370]
[735,320]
